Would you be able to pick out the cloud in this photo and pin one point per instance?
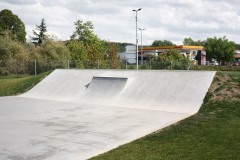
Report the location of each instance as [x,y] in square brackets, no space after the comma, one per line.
[20,2]
[115,21]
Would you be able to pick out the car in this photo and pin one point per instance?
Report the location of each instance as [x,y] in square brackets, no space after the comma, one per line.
[212,63]
[236,63]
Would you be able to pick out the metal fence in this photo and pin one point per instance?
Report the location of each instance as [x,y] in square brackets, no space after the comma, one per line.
[33,67]
[157,65]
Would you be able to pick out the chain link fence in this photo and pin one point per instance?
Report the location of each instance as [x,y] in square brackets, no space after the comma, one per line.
[157,65]
[34,67]
[30,67]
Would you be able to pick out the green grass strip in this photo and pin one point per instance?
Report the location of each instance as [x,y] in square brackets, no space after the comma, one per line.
[14,86]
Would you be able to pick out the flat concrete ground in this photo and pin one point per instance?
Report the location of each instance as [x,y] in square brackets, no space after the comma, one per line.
[43,129]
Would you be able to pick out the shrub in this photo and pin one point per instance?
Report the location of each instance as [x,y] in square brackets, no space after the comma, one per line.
[13,57]
[171,59]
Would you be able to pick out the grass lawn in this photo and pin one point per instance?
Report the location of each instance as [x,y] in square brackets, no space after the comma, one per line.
[212,133]
[16,85]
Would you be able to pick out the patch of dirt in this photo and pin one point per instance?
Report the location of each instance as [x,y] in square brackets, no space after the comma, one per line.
[225,87]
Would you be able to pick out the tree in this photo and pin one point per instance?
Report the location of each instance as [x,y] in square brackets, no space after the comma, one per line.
[90,46]
[11,24]
[220,49]
[50,55]
[190,42]
[78,53]
[13,57]
[83,31]
[237,46]
[112,55]
[158,43]
[40,34]
[54,51]
[171,59]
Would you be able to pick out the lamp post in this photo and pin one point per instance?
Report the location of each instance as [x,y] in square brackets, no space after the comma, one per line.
[141,29]
[136,36]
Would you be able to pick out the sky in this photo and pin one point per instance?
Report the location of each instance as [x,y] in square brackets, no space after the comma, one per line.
[115,21]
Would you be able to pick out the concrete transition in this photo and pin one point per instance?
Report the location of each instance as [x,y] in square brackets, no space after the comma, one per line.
[78,114]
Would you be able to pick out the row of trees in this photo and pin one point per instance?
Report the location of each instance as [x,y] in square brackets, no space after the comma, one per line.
[220,49]
[85,48]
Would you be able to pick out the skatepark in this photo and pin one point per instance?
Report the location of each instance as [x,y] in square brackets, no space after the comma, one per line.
[78,114]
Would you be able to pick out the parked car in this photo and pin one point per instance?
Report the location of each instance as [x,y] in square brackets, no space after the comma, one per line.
[212,63]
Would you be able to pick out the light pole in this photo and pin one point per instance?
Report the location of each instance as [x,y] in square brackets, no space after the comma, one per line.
[141,29]
[137,37]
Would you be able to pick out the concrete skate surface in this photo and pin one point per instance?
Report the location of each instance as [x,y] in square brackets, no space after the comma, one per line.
[78,114]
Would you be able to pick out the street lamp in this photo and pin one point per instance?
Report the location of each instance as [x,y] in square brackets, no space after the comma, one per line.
[136,36]
[141,29]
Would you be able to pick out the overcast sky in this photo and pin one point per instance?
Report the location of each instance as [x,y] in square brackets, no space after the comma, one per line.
[114,20]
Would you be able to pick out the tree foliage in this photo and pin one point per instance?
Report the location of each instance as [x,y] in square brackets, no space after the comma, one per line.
[18,58]
[40,34]
[190,42]
[12,56]
[12,25]
[54,51]
[83,31]
[158,43]
[237,46]
[171,59]
[78,53]
[49,55]
[86,48]
[220,49]
[112,55]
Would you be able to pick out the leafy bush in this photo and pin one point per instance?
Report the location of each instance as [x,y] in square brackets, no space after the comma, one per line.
[18,58]
[145,66]
[13,57]
[171,59]
[51,55]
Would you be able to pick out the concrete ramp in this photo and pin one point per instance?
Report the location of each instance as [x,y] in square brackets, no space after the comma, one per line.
[78,114]
[104,88]
[170,91]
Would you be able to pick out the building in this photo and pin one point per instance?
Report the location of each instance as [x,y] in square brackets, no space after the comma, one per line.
[237,55]
[129,55]
[195,53]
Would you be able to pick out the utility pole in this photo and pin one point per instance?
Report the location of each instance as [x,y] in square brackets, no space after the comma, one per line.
[137,36]
[141,29]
